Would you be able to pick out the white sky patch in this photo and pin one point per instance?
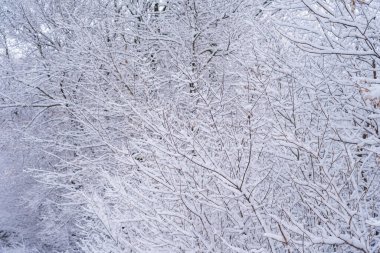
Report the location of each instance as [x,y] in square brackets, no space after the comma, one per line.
[16,50]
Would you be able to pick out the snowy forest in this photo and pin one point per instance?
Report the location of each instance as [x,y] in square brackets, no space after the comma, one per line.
[242,126]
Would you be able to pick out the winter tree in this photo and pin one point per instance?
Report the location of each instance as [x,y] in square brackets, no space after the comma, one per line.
[193,125]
